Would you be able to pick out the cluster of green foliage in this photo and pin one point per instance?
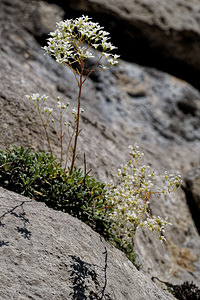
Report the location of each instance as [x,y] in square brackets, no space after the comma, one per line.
[39,176]
[185,291]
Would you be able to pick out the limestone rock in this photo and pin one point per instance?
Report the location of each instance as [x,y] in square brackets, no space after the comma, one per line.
[46,254]
[165,34]
[192,189]
[193,182]
[124,105]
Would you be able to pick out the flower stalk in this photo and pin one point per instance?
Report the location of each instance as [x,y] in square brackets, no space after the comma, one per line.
[130,198]
[71,44]
[77,124]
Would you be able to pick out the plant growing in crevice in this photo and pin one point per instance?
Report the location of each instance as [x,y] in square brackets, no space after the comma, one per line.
[129,198]
[115,210]
[46,116]
[71,44]
[39,176]
[185,291]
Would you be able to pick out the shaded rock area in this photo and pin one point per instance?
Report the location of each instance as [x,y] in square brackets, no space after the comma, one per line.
[192,189]
[123,105]
[46,254]
[163,34]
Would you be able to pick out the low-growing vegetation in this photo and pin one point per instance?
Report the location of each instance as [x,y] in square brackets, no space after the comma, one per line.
[115,210]
[40,177]
[185,291]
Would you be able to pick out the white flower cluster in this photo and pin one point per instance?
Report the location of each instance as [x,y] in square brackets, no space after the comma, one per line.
[35,97]
[61,105]
[130,198]
[38,101]
[72,40]
[46,117]
[46,113]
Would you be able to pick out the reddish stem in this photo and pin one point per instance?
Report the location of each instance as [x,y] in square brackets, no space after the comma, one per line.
[77,123]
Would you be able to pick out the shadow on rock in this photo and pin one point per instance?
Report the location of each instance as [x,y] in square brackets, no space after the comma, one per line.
[89,280]
[4,243]
[21,215]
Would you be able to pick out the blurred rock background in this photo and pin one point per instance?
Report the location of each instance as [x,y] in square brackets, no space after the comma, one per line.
[151,97]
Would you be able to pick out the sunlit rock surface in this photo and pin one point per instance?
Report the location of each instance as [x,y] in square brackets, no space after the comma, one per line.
[124,105]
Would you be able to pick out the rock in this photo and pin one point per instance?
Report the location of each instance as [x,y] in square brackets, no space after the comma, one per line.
[36,19]
[46,254]
[165,35]
[167,105]
[192,180]
[124,105]
[191,187]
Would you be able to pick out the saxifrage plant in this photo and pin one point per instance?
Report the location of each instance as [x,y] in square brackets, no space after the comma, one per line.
[129,197]
[39,176]
[117,211]
[71,44]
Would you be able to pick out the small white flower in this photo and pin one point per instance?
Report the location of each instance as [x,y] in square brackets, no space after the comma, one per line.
[35,97]
[61,105]
[47,109]
[95,46]
[106,54]
[74,111]
[116,56]
[28,97]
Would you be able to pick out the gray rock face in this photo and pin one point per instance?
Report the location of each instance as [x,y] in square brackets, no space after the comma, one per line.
[47,254]
[192,188]
[193,181]
[165,34]
[124,105]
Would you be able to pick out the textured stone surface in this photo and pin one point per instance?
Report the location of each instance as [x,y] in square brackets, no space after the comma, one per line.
[178,12]
[191,186]
[192,180]
[45,254]
[124,105]
[161,33]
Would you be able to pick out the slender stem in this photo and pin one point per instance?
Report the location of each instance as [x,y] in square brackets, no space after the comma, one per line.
[45,129]
[8,163]
[61,137]
[85,166]
[92,70]
[67,152]
[77,122]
